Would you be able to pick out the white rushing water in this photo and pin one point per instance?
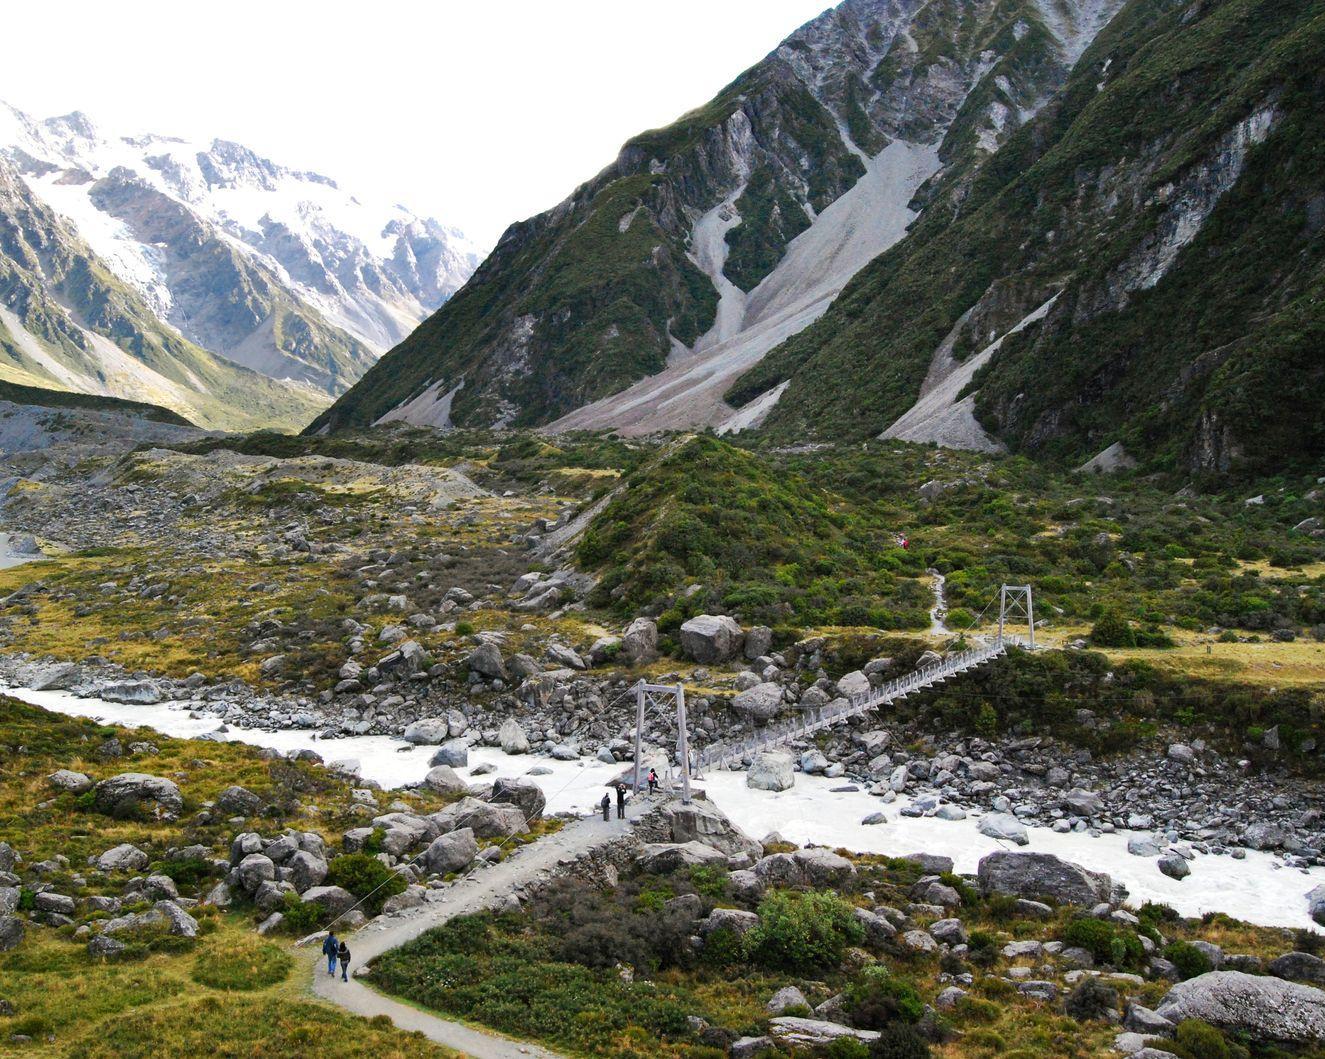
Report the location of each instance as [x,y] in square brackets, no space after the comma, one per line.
[1258,889]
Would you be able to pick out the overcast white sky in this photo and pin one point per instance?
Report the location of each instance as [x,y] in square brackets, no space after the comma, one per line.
[478,113]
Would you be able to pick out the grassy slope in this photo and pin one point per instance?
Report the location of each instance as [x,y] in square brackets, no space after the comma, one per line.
[1180,87]
[228,994]
[35,395]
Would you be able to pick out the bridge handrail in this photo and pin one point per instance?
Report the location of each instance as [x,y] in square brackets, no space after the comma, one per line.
[827,716]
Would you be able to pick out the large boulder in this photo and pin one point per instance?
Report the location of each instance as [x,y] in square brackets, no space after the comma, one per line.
[305,870]
[451,852]
[639,643]
[771,772]
[485,819]
[405,661]
[333,900]
[486,661]
[1316,905]
[163,917]
[664,857]
[443,778]
[711,638]
[702,821]
[799,1033]
[1005,827]
[134,792]
[823,867]
[427,731]
[454,752]
[512,738]
[522,792]
[254,870]
[130,692]
[759,703]
[123,857]
[1299,967]
[1035,875]
[1265,1009]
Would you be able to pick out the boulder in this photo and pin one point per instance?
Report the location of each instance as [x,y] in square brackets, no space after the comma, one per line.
[443,778]
[130,692]
[759,703]
[1005,827]
[1034,875]
[485,819]
[486,661]
[1316,905]
[521,792]
[711,638]
[123,857]
[853,684]
[1268,1010]
[1141,846]
[771,771]
[1299,967]
[786,997]
[451,852]
[254,870]
[779,869]
[48,901]
[639,643]
[758,642]
[823,867]
[164,916]
[11,932]
[427,731]
[1082,802]
[105,948]
[661,858]
[1174,866]
[306,870]
[736,920]
[406,660]
[132,792]
[793,1032]
[454,752]
[702,821]
[238,801]
[65,780]
[333,900]
[512,738]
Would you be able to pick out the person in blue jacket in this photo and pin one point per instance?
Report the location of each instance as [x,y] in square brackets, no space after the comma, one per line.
[330,949]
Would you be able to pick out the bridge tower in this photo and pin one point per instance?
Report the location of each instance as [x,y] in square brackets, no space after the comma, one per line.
[1014,602]
[661,698]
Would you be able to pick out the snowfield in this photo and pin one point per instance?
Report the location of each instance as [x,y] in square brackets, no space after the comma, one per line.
[1259,889]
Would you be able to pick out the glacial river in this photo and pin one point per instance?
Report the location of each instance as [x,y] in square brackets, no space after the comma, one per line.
[1258,889]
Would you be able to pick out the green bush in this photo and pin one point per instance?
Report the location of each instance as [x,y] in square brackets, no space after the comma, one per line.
[899,1041]
[302,917]
[367,878]
[803,931]
[1112,630]
[1195,1039]
[1104,941]
[877,998]
[1188,959]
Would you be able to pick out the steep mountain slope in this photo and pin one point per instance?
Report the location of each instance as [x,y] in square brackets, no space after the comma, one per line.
[708,242]
[1141,266]
[66,322]
[278,270]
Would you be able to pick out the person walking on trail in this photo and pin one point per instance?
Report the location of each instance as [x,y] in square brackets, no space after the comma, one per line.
[330,949]
[606,806]
[653,781]
[343,954]
[620,801]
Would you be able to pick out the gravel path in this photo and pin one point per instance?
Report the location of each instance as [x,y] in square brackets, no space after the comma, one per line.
[528,864]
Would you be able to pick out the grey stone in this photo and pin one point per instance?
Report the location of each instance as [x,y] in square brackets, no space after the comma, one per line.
[124,857]
[131,792]
[1034,875]
[451,852]
[1005,827]
[759,703]
[65,780]
[521,792]
[710,639]
[428,731]
[770,771]
[454,752]
[786,997]
[1266,1009]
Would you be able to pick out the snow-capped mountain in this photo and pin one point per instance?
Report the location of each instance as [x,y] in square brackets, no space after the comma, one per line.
[279,270]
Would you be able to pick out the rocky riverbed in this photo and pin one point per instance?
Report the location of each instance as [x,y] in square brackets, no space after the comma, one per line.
[1268,885]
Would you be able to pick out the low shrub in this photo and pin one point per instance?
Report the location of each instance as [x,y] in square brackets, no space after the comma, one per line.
[1092,999]
[1188,959]
[802,931]
[877,998]
[1106,942]
[366,877]
[1195,1039]
[899,1041]
[301,917]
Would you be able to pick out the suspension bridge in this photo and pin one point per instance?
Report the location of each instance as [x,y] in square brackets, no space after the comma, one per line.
[1015,604]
